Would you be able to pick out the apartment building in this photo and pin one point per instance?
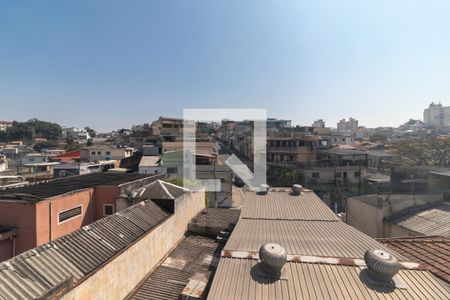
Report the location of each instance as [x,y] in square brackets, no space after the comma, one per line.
[350,125]
[169,129]
[43,212]
[437,115]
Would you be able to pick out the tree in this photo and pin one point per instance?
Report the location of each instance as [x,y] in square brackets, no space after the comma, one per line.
[91,131]
[378,136]
[31,129]
[424,151]
[45,145]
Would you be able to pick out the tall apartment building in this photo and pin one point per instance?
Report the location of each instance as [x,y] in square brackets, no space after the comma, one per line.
[4,125]
[437,115]
[350,125]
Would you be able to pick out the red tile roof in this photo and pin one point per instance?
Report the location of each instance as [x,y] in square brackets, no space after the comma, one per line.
[432,251]
[72,154]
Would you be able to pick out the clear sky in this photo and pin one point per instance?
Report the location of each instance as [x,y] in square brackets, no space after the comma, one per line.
[110,64]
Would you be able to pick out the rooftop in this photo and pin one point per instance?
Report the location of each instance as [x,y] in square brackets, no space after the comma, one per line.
[324,256]
[34,273]
[433,252]
[194,258]
[212,220]
[429,221]
[160,189]
[280,204]
[149,161]
[36,192]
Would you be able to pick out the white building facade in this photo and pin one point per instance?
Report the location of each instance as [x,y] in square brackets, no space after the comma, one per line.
[437,115]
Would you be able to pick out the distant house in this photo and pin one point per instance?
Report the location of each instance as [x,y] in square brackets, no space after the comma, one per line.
[104,152]
[149,165]
[40,140]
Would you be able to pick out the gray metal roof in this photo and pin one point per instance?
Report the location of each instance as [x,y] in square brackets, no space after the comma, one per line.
[162,190]
[318,238]
[212,220]
[282,205]
[431,221]
[243,279]
[192,258]
[35,272]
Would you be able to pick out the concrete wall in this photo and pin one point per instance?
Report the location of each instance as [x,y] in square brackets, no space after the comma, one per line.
[393,230]
[104,195]
[6,249]
[121,275]
[367,213]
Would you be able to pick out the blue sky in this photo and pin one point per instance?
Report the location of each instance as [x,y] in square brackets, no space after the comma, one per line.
[110,64]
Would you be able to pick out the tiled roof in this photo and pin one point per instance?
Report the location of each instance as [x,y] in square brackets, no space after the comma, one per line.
[433,252]
[430,221]
[316,281]
[282,205]
[318,238]
[35,272]
[192,258]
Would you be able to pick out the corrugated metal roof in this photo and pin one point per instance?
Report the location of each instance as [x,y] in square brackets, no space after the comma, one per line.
[431,221]
[433,252]
[282,205]
[192,258]
[212,220]
[162,190]
[35,272]
[316,281]
[317,238]
[149,161]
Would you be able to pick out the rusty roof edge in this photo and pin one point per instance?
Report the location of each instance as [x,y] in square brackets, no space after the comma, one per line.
[344,261]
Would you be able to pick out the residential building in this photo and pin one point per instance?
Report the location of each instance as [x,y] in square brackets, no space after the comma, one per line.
[149,164]
[169,129]
[5,124]
[318,256]
[78,134]
[105,152]
[350,125]
[109,258]
[3,163]
[67,157]
[10,151]
[437,115]
[46,211]
[319,123]
[396,215]
[150,150]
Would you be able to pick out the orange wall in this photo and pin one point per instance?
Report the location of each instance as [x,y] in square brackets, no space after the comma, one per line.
[22,217]
[104,195]
[47,227]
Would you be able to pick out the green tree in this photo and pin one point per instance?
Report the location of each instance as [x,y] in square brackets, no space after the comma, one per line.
[378,136]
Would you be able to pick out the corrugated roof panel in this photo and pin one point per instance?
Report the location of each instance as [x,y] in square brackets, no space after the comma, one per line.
[281,205]
[316,281]
[432,221]
[167,282]
[35,272]
[316,238]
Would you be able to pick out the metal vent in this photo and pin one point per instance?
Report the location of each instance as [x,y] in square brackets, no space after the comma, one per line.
[382,266]
[297,189]
[273,258]
[263,189]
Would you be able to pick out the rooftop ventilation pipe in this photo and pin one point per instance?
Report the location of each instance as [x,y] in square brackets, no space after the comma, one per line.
[382,266]
[273,258]
[297,189]
[263,189]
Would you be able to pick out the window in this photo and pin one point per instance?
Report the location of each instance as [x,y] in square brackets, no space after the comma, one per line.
[338,175]
[99,153]
[70,214]
[108,152]
[316,175]
[92,152]
[172,170]
[357,174]
[108,209]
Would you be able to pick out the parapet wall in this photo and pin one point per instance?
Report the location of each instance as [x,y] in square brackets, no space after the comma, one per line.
[121,275]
